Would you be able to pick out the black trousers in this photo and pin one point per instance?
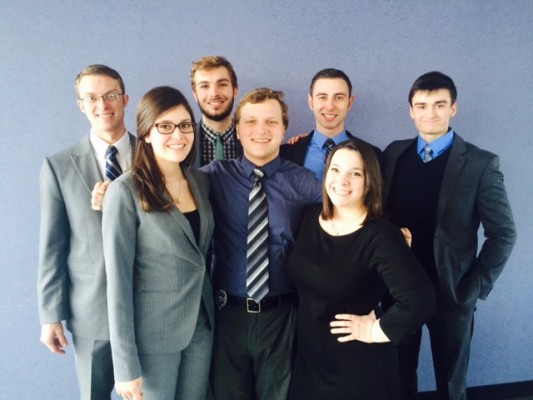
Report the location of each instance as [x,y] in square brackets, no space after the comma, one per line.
[253,353]
[450,333]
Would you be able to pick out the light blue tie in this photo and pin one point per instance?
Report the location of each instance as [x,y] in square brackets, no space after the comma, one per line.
[428,154]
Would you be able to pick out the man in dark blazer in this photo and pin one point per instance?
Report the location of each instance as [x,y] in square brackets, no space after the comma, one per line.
[215,87]
[442,188]
[71,278]
[330,98]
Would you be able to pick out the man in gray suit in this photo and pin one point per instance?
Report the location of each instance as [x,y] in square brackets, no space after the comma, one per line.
[71,279]
[442,188]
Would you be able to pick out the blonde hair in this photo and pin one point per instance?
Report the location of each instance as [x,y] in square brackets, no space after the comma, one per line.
[261,95]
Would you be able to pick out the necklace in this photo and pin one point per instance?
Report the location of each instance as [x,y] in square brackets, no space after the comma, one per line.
[347,227]
[177,198]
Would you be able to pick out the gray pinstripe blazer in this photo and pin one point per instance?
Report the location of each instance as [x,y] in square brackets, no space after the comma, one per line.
[156,273]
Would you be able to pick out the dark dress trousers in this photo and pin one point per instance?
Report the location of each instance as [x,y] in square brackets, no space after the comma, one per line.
[472,193]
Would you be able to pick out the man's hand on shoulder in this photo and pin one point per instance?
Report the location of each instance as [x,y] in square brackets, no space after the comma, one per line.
[297,138]
[53,337]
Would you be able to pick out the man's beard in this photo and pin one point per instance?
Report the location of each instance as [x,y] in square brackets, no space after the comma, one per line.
[217,117]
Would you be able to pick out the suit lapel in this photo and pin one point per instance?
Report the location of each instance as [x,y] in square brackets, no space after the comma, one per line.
[184,225]
[390,166]
[182,221]
[133,143]
[302,147]
[85,164]
[454,167]
[201,206]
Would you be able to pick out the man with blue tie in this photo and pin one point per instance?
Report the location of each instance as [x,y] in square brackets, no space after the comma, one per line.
[71,277]
[443,189]
[258,201]
[330,99]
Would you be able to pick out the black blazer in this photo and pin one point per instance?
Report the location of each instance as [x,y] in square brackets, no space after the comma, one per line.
[472,193]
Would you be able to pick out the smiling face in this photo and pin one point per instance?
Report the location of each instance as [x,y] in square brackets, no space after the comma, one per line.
[431,112]
[345,179]
[330,102]
[261,130]
[106,117]
[171,148]
[214,93]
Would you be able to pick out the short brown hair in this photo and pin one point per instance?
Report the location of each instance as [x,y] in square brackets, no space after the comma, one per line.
[99,69]
[331,73]
[373,181]
[212,62]
[261,95]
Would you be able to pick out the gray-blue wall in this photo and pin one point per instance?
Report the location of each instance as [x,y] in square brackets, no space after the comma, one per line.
[486,46]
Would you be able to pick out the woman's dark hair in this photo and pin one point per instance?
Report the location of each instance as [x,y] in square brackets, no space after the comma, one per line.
[373,181]
[147,176]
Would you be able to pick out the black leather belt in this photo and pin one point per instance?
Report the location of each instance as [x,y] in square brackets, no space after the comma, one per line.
[249,304]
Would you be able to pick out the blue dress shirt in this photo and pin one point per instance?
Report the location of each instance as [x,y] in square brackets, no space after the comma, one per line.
[289,188]
[438,146]
[316,154]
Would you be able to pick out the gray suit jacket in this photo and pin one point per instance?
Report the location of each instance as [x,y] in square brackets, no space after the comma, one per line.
[71,279]
[156,273]
[472,193]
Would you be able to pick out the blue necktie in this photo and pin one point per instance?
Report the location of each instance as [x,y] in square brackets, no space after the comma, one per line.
[112,167]
[257,242]
[328,145]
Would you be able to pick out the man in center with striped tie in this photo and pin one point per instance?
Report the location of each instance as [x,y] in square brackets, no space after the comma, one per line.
[258,200]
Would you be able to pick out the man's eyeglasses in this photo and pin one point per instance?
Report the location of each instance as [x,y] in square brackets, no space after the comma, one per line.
[92,99]
[167,128]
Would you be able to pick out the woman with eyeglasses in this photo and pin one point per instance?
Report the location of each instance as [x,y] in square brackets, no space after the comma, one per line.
[157,228]
[345,259]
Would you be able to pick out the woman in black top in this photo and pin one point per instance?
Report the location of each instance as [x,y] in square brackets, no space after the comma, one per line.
[344,261]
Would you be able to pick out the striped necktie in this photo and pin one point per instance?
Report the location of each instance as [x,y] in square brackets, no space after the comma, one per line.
[328,145]
[257,242]
[112,167]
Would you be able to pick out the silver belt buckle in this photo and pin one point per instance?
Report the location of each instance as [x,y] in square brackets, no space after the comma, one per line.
[252,307]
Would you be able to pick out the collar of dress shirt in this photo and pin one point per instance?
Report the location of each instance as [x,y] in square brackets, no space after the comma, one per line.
[211,134]
[438,146]
[100,146]
[319,138]
[269,169]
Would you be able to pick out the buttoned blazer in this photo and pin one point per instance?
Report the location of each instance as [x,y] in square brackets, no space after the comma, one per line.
[156,273]
[296,152]
[472,193]
[71,278]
